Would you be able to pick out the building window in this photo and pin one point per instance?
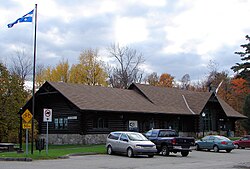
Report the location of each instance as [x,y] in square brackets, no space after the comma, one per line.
[61,123]
[101,123]
[56,123]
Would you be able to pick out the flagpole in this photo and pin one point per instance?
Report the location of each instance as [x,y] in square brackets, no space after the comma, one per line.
[34,80]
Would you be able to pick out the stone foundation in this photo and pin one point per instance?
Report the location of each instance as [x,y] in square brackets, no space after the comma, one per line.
[101,138]
[75,138]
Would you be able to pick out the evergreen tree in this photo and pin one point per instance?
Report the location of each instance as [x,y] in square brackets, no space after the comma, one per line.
[243,69]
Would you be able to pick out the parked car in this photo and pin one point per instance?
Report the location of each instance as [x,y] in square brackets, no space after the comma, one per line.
[243,142]
[215,142]
[129,143]
[167,140]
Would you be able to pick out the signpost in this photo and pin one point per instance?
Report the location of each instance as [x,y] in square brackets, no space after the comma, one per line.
[47,117]
[27,116]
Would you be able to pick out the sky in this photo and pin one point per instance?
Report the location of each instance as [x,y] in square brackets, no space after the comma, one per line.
[177,37]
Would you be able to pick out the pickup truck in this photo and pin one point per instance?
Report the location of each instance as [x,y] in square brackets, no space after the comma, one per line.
[167,140]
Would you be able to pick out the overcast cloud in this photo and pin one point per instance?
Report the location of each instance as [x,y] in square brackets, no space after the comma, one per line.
[175,37]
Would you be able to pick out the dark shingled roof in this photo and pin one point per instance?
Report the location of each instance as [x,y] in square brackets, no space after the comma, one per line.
[104,98]
[175,100]
[149,99]
[171,98]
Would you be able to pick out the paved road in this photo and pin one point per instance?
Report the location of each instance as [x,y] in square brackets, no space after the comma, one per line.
[197,159]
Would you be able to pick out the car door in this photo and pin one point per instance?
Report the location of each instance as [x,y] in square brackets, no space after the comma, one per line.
[203,142]
[123,143]
[211,141]
[152,136]
[114,141]
[244,141]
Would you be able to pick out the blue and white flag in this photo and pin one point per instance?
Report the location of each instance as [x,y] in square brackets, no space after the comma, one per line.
[26,18]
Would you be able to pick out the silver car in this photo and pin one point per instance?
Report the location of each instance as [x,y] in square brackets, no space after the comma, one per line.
[129,143]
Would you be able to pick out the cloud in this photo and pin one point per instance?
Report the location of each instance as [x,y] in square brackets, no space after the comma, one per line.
[175,37]
[206,26]
[130,30]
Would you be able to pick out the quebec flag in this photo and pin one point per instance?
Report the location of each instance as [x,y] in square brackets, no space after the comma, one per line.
[26,18]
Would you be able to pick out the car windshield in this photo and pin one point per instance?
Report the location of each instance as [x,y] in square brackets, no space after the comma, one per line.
[136,137]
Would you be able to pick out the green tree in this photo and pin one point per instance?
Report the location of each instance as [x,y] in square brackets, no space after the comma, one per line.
[12,98]
[243,69]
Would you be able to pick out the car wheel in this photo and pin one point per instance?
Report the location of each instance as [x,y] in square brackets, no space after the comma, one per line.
[151,155]
[216,149]
[228,151]
[130,152]
[184,153]
[237,146]
[197,147]
[165,151]
[242,147]
[109,150]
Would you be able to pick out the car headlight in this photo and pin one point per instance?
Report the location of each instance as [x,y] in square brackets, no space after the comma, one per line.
[137,146]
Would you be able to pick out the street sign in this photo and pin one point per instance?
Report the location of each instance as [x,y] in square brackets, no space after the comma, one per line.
[47,115]
[26,125]
[27,116]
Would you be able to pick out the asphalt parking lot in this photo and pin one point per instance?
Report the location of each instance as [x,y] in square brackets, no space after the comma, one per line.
[197,159]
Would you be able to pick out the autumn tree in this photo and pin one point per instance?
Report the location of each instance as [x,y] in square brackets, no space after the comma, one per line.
[152,79]
[40,77]
[166,80]
[12,98]
[239,92]
[243,69]
[239,85]
[90,70]
[127,66]
[60,73]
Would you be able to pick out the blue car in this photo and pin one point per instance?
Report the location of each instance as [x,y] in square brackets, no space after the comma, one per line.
[214,142]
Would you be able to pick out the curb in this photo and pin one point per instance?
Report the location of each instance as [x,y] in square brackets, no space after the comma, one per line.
[83,154]
[76,154]
[15,159]
[30,159]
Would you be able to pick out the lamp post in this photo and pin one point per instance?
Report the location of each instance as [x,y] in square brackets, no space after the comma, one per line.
[203,115]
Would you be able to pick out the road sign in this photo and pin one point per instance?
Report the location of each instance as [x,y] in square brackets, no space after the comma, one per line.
[47,115]
[27,116]
[26,125]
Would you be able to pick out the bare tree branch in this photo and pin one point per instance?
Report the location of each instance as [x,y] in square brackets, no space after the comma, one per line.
[127,68]
[21,64]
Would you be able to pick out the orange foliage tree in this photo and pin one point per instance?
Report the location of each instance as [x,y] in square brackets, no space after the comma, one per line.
[239,86]
[166,80]
[239,92]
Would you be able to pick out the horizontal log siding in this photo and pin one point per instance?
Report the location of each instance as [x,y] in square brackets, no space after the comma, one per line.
[114,122]
[61,108]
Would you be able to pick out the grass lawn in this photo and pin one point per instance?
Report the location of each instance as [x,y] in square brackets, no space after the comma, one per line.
[55,151]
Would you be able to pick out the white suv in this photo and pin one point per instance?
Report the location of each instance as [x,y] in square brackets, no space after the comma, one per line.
[129,143]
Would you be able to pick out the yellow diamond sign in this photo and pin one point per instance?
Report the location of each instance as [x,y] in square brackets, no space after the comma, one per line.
[27,116]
